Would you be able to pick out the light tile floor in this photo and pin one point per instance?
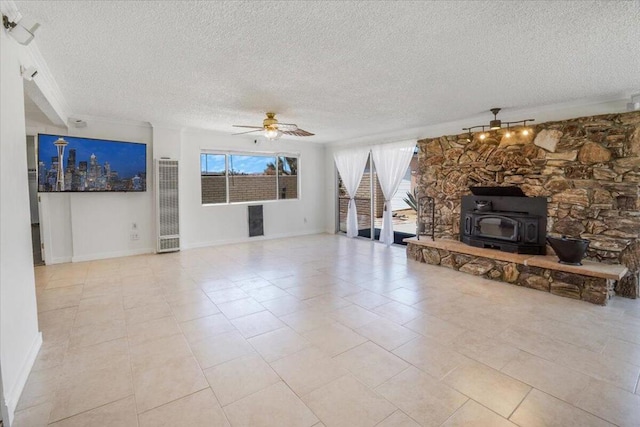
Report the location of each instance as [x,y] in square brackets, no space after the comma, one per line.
[321,330]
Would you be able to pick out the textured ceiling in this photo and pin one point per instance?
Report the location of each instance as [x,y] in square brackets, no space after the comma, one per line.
[342,70]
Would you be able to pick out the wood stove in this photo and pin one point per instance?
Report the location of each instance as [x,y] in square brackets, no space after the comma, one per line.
[504,218]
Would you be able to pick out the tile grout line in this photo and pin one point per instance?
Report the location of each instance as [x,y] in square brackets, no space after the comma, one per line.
[133,387]
[92,409]
[520,403]
[66,352]
[459,409]
[580,409]
[219,364]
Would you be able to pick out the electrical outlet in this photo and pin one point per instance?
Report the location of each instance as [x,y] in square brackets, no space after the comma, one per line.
[135,236]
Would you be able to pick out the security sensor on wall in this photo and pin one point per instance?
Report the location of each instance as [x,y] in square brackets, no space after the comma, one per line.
[28,73]
[21,29]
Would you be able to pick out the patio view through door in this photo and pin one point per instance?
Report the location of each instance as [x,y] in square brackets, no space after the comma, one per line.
[370,205]
[366,198]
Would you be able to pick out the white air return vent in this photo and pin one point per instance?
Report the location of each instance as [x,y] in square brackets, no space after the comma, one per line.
[167,207]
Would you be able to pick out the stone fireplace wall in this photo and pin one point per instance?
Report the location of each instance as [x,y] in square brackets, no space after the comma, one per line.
[588,168]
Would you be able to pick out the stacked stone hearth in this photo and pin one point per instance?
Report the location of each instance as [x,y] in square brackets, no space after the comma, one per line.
[588,168]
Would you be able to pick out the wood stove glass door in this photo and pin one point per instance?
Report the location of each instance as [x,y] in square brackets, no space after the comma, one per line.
[496,227]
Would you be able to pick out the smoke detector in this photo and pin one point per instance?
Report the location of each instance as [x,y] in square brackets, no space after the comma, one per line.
[634,105]
[77,123]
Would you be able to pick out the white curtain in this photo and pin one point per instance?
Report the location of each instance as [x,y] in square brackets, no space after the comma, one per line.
[350,164]
[391,162]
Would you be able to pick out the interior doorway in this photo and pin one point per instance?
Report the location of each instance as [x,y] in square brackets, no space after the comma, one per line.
[32,170]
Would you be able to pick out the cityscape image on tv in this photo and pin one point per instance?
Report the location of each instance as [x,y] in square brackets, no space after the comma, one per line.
[68,163]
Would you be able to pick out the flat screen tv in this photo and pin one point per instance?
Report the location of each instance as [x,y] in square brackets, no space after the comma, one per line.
[73,164]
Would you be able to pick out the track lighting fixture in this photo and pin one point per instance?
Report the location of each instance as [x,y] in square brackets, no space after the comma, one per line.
[496,124]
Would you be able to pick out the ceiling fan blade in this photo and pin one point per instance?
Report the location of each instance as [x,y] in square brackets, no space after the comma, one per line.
[249,131]
[250,127]
[297,132]
[287,126]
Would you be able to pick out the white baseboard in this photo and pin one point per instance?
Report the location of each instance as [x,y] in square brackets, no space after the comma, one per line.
[250,239]
[116,254]
[13,395]
[59,260]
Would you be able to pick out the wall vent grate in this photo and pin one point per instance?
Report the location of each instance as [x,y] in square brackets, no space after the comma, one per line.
[167,206]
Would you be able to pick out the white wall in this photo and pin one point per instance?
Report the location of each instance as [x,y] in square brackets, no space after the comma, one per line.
[166,142]
[211,225]
[19,336]
[79,227]
[331,193]
[85,226]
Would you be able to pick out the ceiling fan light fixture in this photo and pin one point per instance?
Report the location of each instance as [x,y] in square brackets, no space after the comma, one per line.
[272,133]
[271,129]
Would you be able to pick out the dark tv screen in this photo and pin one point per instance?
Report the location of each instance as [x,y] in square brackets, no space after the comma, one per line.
[90,165]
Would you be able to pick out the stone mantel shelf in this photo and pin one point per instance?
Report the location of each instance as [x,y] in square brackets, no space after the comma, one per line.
[550,262]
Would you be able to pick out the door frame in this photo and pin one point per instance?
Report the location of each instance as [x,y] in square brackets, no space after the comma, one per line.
[45,241]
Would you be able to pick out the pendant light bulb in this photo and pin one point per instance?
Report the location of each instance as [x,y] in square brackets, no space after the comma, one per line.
[483,136]
[525,132]
[271,133]
[508,134]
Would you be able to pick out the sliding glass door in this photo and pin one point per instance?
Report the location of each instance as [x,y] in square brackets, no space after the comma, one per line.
[369,203]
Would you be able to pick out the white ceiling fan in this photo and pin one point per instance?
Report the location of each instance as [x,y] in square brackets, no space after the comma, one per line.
[272,129]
